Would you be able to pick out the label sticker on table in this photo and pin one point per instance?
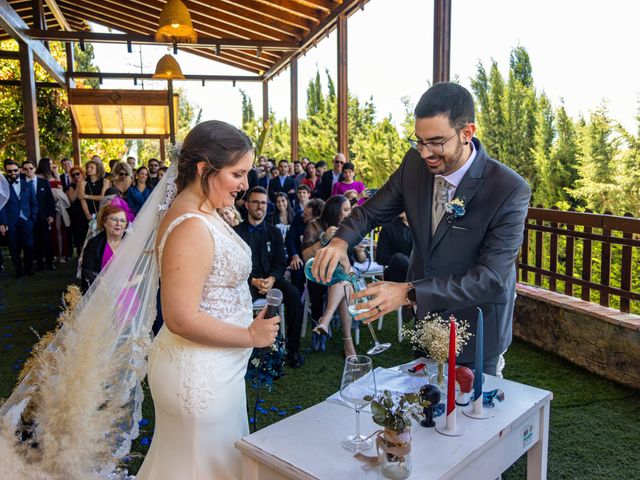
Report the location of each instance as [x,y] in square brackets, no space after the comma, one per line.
[527,436]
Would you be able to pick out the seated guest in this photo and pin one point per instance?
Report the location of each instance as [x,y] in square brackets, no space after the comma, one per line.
[317,233]
[283,214]
[161,171]
[348,183]
[303,193]
[293,241]
[140,191]
[311,177]
[330,178]
[268,265]
[282,183]
[352,196]
[112,222]
[298,172]
[263,176]
[394,248]
[231,215]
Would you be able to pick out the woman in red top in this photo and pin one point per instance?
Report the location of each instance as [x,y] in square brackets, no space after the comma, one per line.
[311,178]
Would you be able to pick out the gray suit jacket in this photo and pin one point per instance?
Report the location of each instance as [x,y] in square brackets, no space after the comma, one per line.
[469,262]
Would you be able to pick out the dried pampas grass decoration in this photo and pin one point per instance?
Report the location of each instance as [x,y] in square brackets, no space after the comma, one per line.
[79,387]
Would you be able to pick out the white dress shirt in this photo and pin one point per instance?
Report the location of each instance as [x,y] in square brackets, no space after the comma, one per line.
[455,178]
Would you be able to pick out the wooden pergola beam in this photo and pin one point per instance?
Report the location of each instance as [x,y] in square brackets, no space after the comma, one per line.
[149,76]
[9,55]
[441,40]
[58,15]
[17,83]
[126,136]
[293,66]
[343,90]
[28,84]
[143,39]
[346,8]
[15,27]
[89,96]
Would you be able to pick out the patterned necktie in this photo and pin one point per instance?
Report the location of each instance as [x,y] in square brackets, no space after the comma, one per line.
[440,198]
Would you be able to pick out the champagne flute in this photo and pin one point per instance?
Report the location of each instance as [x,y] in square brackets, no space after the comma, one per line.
[358,387]
[354,310]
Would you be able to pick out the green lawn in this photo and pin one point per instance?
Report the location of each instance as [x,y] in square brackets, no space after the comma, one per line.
[595,423]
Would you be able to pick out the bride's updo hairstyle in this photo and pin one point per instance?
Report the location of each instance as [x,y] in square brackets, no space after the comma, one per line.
[217,143]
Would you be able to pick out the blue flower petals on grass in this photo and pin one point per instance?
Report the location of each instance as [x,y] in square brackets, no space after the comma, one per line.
[145,441]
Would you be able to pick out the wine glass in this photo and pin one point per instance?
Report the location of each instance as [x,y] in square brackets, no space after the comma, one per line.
[358,387]
[354,310]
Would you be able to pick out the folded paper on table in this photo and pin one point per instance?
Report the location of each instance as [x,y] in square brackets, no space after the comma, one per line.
[393,379]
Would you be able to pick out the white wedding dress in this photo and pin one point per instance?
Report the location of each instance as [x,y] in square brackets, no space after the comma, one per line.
[198,391]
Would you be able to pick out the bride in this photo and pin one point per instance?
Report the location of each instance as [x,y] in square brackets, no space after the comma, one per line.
[93,366]
[199,358]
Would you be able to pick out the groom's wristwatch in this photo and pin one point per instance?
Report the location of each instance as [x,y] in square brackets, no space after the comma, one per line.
[410,297]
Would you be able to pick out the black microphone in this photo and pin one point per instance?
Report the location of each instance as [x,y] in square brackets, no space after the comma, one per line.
[274,299]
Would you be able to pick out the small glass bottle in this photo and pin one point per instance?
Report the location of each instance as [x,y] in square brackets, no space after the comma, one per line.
[339,275]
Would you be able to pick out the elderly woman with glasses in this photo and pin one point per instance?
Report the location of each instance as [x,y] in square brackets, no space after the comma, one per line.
[112,222]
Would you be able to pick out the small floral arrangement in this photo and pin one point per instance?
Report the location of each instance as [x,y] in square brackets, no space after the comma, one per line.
[432,336]
[455,209]
[265,366]
[394,411]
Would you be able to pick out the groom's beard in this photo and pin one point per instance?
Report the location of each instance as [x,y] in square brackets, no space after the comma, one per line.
[449,164]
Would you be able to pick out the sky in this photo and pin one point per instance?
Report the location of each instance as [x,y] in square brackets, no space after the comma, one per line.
[580,53]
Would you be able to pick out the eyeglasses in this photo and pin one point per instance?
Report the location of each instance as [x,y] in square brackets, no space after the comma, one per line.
[28,168]
[433,147]
[13,171]
[76,174]
[257,202]
[117,220]
[338,162]
[123,174]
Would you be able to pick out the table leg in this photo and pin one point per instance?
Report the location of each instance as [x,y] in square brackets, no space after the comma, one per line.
[537,454]
[249,468]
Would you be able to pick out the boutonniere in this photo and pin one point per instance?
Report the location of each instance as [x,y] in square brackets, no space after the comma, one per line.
[455,209]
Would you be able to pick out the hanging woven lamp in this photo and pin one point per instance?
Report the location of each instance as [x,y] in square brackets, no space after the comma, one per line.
[168,68]
[175,24]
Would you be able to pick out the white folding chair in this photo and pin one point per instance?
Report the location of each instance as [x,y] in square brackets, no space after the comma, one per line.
[260,303]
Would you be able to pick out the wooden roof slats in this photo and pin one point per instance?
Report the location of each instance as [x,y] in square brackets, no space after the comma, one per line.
[299,23]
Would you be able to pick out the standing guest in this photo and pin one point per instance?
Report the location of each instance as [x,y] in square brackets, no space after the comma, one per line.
[154,166]
[298,172]
[462,260]
[112,222]
[79,222]
[59,237]
[394,248]
[161,171]
[122,178]
[274,172]
[310,178]
[112,163]
[132,163]
[330,178]
[348,183]
[282,183]
[65,176]
[92,188]
[43,249]
[303,193]
[305,161]
[17,219]
[268,266]
[283,214]
[138,193]
[293,241]
[321,168]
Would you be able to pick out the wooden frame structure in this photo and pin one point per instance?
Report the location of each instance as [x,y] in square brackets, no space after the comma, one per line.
[262,37]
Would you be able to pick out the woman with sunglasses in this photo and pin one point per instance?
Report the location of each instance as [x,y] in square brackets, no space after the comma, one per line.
[112,222]
[79,223]
[122,178]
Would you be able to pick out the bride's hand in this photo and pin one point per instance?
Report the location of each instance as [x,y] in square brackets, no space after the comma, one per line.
[263,331]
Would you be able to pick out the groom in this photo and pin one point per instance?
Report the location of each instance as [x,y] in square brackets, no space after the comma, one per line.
[461,259]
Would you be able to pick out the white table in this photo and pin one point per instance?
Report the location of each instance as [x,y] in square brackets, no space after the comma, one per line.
[307,445]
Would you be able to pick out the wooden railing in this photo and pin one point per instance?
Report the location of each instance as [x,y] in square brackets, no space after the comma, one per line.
[585,255]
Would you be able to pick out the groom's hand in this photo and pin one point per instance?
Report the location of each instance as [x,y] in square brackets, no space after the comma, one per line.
[327,260]
[385,297]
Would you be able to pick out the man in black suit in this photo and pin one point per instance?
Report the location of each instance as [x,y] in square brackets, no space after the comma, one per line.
[394,248]
[330,178]
[282,183]
[43,248]
[268,265]
[17,218]
[65,178]
[466,212]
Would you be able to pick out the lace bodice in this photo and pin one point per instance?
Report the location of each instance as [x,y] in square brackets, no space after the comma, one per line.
[225,294]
